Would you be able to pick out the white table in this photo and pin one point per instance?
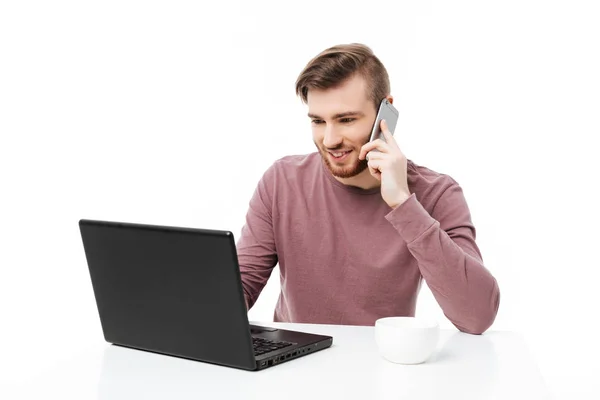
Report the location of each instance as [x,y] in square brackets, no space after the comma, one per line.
[495,365]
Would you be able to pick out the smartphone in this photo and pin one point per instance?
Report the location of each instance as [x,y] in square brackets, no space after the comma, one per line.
[388,112]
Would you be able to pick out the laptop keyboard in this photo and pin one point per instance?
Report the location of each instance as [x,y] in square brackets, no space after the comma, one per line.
[262,346]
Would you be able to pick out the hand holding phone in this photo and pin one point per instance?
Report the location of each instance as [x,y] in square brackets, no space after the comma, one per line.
[388,112]
[387,163]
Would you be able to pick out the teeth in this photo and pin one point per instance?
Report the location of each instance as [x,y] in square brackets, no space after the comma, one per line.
[338,154]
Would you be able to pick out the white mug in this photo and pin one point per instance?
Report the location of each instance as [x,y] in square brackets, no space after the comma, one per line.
[406,340]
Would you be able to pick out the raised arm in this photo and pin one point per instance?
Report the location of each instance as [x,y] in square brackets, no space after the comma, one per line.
[443,244]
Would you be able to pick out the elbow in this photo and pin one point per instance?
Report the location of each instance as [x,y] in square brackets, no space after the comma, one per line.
[477,326]
[474,329]
[483,319]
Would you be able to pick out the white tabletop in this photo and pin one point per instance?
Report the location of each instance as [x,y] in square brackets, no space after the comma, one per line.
[495,365]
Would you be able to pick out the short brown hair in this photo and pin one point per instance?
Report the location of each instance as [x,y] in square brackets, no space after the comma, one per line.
[334,65]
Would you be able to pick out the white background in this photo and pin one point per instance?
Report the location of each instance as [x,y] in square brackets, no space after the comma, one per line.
[169,112]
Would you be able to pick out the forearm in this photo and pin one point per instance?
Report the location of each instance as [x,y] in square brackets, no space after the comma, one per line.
[257,254]
[465,290]
[451,266]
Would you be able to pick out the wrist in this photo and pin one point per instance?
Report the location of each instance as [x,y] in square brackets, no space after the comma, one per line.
[400,200]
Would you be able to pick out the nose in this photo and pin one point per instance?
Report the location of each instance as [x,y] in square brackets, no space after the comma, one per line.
[332,139]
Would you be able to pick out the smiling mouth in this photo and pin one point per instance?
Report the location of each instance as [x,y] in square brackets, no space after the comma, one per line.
[338,155]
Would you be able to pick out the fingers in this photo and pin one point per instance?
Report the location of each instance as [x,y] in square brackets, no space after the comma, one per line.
[375,155]
[375,167]
[376,144]
[389,138]
[375,173]
[385,145]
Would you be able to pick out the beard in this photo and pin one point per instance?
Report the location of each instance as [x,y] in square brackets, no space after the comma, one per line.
[348,168]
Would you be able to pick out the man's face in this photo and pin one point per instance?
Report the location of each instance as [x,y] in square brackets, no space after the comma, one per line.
[342,119]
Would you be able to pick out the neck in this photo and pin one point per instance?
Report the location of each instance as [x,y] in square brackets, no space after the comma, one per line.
[364,180]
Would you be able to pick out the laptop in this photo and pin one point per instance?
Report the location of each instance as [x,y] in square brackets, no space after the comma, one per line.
[178,292]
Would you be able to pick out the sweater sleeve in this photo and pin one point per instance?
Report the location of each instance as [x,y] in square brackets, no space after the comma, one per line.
[256,249]
[449,260]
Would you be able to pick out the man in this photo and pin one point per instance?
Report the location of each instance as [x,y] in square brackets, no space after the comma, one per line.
[354,237]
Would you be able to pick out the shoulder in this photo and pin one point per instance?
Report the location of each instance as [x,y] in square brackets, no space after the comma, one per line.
[297,162]
[290,170]
[427,184]
[286,177]
[424,176]
[294,166]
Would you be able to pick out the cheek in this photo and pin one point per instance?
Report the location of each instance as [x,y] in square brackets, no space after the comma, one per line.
[359,134]
[317,135]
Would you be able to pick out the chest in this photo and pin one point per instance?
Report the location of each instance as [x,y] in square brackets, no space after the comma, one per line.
[354,234]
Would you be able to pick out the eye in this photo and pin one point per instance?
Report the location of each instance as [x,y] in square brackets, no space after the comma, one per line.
[347,120]
[317,121]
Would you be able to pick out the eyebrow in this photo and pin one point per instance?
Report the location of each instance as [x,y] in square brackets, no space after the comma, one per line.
[340,115]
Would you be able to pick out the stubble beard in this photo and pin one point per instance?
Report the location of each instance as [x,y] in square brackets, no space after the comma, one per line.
[347,171]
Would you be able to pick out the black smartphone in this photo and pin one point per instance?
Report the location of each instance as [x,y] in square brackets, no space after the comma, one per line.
[388,112]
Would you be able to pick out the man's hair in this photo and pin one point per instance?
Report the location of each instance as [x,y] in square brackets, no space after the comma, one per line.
[333,66]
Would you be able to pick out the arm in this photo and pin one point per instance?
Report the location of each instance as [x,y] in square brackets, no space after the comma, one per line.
[256,250]
[448,257]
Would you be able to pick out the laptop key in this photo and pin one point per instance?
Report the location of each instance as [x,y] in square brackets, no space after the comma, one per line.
[262,346]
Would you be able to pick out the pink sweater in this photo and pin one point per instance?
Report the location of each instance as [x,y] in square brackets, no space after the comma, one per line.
[346,257]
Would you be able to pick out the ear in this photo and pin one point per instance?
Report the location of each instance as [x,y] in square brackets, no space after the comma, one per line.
[390,98]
